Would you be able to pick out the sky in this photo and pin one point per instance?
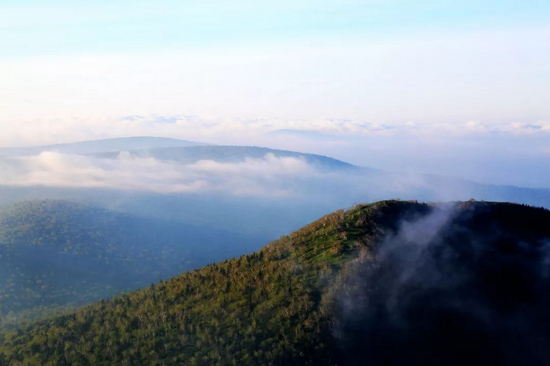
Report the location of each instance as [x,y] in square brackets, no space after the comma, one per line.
[445,87]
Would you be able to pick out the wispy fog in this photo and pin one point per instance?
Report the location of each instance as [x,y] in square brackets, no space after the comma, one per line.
[443,287]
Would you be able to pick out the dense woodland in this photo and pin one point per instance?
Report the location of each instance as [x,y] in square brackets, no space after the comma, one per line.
[56,255]
[310,298]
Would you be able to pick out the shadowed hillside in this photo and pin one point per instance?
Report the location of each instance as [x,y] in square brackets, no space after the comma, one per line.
[56,254]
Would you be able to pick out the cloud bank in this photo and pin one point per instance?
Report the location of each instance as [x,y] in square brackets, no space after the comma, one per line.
[264,176]
[267,176]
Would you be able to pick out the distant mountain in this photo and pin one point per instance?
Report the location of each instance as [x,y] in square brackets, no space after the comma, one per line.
[230,154]
[99,146]
[57,254]
[324,185]
[389,283]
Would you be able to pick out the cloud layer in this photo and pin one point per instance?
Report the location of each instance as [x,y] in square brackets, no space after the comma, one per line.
[268,176]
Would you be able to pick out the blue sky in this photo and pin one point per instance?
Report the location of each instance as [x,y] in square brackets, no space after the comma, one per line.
[33,28]
[472,73]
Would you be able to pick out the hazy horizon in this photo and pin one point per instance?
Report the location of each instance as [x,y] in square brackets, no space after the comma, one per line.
[517,160]
[459,89]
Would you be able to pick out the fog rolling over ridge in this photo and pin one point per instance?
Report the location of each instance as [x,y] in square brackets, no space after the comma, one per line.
[393,282]
[464,283]
[273,191]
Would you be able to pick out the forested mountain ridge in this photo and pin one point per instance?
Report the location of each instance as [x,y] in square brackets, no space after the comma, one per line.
[59,254]
[330,294]
[230,154]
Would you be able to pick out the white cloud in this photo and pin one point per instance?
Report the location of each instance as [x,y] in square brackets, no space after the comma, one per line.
[529,128]
[253,177]
[475,126]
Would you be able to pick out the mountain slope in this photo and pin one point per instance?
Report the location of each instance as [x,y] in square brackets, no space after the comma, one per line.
[55,254]
[100,146]
[386,283]
[230,154]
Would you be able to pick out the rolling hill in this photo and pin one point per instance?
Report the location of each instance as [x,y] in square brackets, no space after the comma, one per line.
[230,154]
[57,254]
[392,282]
